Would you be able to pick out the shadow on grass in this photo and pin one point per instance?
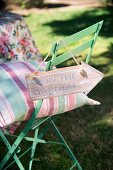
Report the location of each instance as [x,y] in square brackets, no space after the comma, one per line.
[90,128]
[88,132]
[90,138]
[54,5]
[87,18]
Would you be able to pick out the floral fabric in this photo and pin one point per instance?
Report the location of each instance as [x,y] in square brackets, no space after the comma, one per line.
[16,42]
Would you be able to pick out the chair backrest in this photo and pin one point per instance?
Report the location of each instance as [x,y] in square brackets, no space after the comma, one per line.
[92,30]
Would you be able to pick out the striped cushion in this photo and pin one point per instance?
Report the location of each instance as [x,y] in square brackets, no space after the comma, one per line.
[15,103]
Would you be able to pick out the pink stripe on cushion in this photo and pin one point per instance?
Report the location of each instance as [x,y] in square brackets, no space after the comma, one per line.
[28,66]
[2,120]
[42,109]
[71,103]
[22,87]
[5,120]
[1,125]
[20,69]
[55,105]
[51,106]
[7,106]
[48,106]
[45,107]
[6,113]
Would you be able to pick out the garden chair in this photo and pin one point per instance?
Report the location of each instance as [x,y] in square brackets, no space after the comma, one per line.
[37,118]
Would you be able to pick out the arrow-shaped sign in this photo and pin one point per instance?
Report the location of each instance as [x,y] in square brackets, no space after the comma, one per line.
[63,81]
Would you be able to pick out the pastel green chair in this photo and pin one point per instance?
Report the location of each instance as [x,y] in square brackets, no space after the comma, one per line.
[34,123]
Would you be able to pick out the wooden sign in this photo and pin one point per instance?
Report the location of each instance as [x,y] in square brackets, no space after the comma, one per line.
[63,81]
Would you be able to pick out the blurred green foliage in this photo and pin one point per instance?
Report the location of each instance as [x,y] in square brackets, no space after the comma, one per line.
[29,3]
[107,2]
[21,3]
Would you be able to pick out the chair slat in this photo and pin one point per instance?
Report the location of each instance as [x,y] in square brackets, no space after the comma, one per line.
[68,55]
[77,36]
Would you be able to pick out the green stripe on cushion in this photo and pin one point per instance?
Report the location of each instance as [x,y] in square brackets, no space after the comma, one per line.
[81,99]
[61,104]
[13,94]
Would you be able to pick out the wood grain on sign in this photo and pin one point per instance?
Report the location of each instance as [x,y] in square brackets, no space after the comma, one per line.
[63,81]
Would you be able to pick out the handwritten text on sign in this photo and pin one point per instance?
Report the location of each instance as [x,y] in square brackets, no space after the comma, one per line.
[64,81]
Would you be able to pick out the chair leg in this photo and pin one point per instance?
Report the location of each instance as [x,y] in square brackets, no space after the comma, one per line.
[16,159]
[21,136]
[76,163]
[12,149]
[33,148]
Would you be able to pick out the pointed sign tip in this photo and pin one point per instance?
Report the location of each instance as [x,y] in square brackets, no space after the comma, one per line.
[93,102]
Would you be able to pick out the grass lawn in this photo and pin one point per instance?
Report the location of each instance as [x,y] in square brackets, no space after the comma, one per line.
[88,130]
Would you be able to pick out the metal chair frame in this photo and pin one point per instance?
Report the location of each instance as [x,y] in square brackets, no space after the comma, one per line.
[33,123]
